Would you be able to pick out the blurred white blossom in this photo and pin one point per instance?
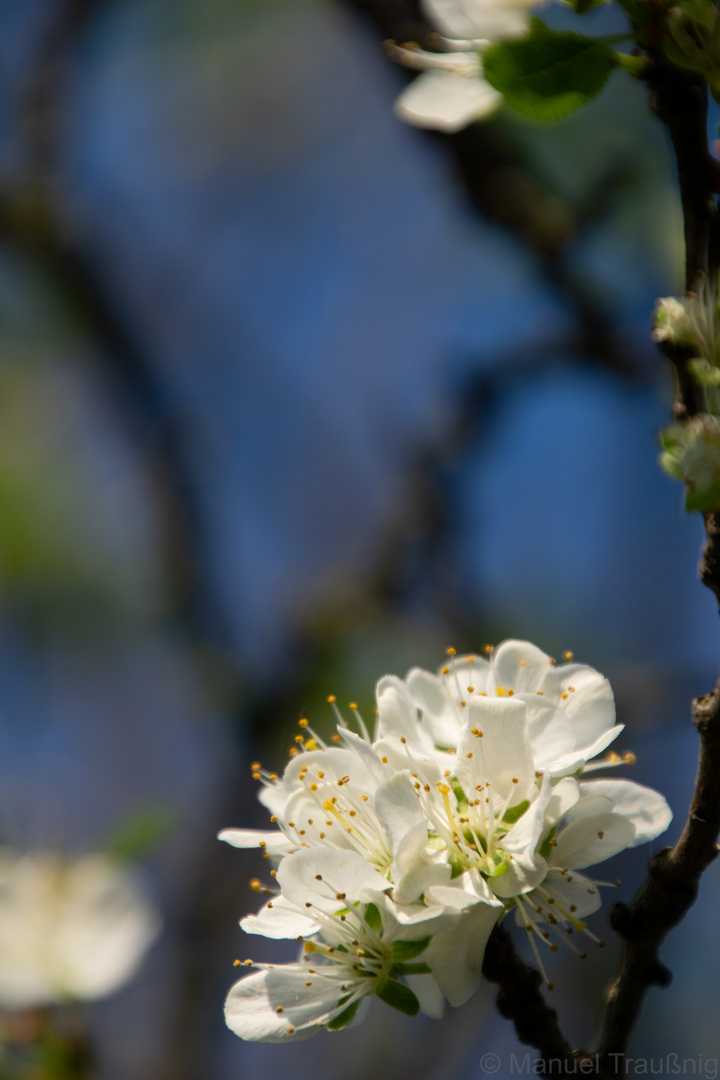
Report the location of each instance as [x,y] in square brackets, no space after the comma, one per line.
[69,929]
[452,92]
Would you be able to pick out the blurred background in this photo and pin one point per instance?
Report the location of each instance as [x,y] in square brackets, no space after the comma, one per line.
[293,396]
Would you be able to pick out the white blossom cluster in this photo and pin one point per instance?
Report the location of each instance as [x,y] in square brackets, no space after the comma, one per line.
[70,929]
[394,856]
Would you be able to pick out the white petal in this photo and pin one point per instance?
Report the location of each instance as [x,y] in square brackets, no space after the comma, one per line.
[251,1008]
[398,808]
[367,755]
[523,837]
[439,713]
[591,706]
[575,760]
[397,715]
[270,840]
[522,667]
[518,878]
[455,957]
[428,993]
[574,891]
[591,840]
[551,734]
[339,872]
[565,795]
[278,919]
[476,18]
[445,101]
[421,879]
[502,754]
[646,808]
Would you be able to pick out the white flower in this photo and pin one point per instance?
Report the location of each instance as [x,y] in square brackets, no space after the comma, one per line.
[452,92]
[609,816]
[362,944]
[691,453]
[69,929]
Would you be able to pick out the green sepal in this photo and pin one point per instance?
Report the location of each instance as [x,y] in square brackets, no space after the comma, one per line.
[399,996]
[462,799]
[409,969]
[547,845]
[456,867]
[548,75]
[344,1018]
[408,950]
[515,812]
[373,918]
[495,865]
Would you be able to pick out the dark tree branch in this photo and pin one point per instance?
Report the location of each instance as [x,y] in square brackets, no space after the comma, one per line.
[519,999]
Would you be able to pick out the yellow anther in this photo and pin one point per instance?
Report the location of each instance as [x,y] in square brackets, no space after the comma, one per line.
[523,663]
[273,818]
[352,705]
[303,722]
[255,766]
[450,651]
[384,760]
[515,780]
[481,693]
[446,671]
[262,843]
[336,738]
[569,656]
[552,661]
[511,693]
[539,693]
[470,659]
[311,744]
[629,758]
[256,776]
[463,704]
[313,787]
[248,963]
[237,963]
[274,776]
[469,754]
[331,699]
[571,689]
[321,774]
[501,691]
[279,1009]
[443,789]
[293,751]
[487,649]
[256,885]
[328,805]
[290,1029]
[565,695]
[273,873]
[299,739]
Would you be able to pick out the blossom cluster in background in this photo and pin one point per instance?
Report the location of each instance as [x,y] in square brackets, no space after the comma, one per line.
[691,449]
[70,929]
[394,856]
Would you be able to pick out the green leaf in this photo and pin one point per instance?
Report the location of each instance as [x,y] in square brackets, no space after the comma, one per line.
[705,500]
[408,950]
[549,75]
[399,997]
[409,969]
[345,1018]
[139,834]
[515,812]
[372,918]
